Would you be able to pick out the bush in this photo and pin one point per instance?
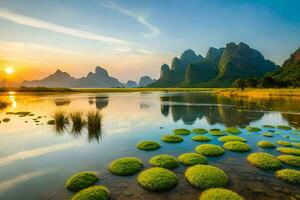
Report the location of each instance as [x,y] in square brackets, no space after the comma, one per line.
[232,138]
[232,130]
[206,176]
[81,181]
[264,161]
[283,127]
[172,138]
[219,194]
[289,175]
[236,146]
[199,130]
[157,179]
[125,166]
[190,159]
[164,161]
[210,150]
[253,129]
[288,150]
[93,193]
[201,138]
[148,145]
[265,144]
[290,160]
[181,131]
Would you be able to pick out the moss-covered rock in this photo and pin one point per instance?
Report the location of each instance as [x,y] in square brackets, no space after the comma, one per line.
[93,193]
[190,159]
[228,138]
[290,160]
[283,127]
[148,145]
[164,161]
[216,132]
[264,161]
[172,138]
[201,138]
[265,144]
[289,175]
[210,150]
[125,166]
[284,143]
[157,179]
[181,131]
[266,134]
[236,146]
[289,150]
[219,194]
[232,130]
[206,176]
[268,126]
[200,131]
[81,181]
[253,129]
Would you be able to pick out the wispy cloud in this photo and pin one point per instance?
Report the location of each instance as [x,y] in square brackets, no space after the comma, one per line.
[153,30]
[40,24]
[145,51]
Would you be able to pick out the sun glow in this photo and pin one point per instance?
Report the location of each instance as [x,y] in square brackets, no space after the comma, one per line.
[9,70]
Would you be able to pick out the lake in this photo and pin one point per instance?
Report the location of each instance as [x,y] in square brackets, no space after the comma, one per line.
[36,160]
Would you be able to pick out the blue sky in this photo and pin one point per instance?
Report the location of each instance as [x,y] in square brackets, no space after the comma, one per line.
[131,38]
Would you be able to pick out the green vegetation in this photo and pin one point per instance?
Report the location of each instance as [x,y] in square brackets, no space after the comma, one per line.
[181,131]
[210,150]
[232,138]
[93,193]
[206,176]
[232,130]
[61,121]
[94,124]
[6,120]
[219,194]
[289,175]
[236,146]
[289,150]
[253,129]
[265,144]
[266,134]
[148,145]
[296,144]
[125,166]
[283,127]
[200,131]
[264,161]
[290,160]
[216,132]
[164,161]
[201,138]
[284,143]
[172,138]
[77,121]
[157,179]
[268,126]
[190,159]
[81,181]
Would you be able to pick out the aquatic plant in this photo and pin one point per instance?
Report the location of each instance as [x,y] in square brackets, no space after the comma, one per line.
[268,126]
[264,161]
[284,143]
[266,134]
[51,122]
[231,138]
[78,121]
[6,120]
[148,145]
[290,160]
[201,138]
[206,176]
[94,125]
[289,150]
[81,181]
[190,159]
[291,176]
[157,179]
[61,121]
[236,146]
[97,192]
[181,131]
[296,144]
[125,166]
[232,130]
[164,161]
[216,132]
[200,130]
[219,194]
[253,129]
[209,150]
[265,144]
[172,138]
[283,127]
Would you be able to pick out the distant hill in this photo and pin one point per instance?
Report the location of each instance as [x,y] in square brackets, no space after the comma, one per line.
[145,80]
[131,84]
[219,68]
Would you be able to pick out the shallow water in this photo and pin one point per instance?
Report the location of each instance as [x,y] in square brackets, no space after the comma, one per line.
[35,160]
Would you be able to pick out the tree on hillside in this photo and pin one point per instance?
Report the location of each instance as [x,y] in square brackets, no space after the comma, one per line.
[239,83]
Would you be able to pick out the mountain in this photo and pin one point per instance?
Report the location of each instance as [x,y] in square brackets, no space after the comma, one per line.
[131,84]
[145,80]
[99,79]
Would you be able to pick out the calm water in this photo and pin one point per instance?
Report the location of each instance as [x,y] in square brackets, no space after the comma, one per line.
[35,161]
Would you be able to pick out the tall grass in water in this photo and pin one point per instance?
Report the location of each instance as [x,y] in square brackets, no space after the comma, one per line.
[61,121]
[94,125]
[78,122]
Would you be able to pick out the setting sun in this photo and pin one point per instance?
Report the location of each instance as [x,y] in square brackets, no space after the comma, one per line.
[9,70]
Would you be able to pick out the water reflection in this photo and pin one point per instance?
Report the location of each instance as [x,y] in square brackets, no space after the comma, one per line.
[62,102]
[101,102]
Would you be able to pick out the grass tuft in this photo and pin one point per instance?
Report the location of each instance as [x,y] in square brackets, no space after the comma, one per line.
[61,121]
[94,125]
[148,145]
[200,131]
[264,161]
[289,150]
[265,144]
[289,175]
[81,181]
[283,127]
[232,130]
[232,138]
[236,146]
[78,121]
[164,161]
[253,129]
[290,160]
[219,194]
[181,131]
[125,166]
[201,138]
[284,143]
[97,192]
[191,159]
[172,138]
[210,150]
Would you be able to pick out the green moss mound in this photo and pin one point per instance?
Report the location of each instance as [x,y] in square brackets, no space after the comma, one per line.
[284,143]
[200,130]
[157,179]
[125,166]
[181,131]
[289,175]
[172,138]
[206,176]
[283,127]
[253,129]
[148,145]
[190,159]
[296,144]
[265,144]
[268,126]
[232,138]
[236,146]
[266,134]
[216,132]
[201,138]
[93,193]
[264,161]
[289,150]
[81,181]
[232,130]
[290,160]
[164,161]
[210,150]
[219,194]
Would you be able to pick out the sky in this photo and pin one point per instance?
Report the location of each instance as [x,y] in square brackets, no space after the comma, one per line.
[132,38]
